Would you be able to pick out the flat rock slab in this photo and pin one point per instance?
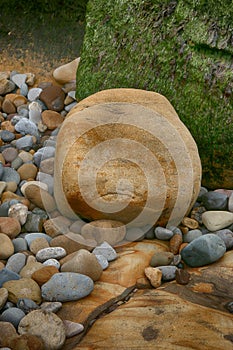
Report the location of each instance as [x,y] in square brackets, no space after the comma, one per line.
[118,315]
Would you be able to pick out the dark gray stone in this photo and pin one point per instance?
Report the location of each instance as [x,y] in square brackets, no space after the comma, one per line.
[214,200]
[12,315]
[7,275]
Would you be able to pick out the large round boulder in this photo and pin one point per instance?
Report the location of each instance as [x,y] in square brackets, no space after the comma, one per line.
[124,154]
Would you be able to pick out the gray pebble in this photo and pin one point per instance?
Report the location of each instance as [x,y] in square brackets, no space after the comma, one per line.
[34,93]
[1,170]
[17,162]
[203,250]
[102,260]
[16,262]
[163,233]
[50,253]
[52,262]
[202,191]
[43,153]
[12,315]
[26,305]
[47,179]
[7,275]
[34,223]
[30,237]
[25,126]
[67,286]
[24,89]
[227,237]
[24,143]
[22,111]
[214,200]
[7,136]
[175,230]
[19,79]
[10,174]
[106,250]
[168,272]
[20,244]
[4,207]
[191,235]
[70,106]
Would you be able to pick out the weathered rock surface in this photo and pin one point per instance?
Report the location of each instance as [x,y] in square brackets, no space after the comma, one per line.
[119,136]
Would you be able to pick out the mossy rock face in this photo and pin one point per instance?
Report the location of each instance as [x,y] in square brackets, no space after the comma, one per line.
[181,49]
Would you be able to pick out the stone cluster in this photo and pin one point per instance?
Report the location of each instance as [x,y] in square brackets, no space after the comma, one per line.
[47,259]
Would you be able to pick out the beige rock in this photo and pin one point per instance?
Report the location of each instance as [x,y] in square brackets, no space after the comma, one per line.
[71,242]
[47,166]
[31,266]
[27,171]
[11,186]
[85,263]
[46,325]
[56,226]
[154,275]
[19,100]
[10,226]
[40,198]
[126,179]
[26,342]
[104,230]
[25,156]
[8,195]
[3,185]
[52,119]
[41,185]
[3,297]
[216,220]
[2,265]
[6,246]
[7,332]
[42,275]
[66,72]
[37,244]
[23,288]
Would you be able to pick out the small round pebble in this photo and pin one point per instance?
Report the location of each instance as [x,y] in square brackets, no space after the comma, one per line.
[191,235]
[50,253]
[163,233]
[52,262]
[168,272]
[12,315]
[106,250]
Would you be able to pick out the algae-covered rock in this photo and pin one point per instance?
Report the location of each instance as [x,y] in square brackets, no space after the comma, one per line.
[181,49]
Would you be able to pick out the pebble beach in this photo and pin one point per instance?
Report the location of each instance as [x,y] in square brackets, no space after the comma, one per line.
[47,259]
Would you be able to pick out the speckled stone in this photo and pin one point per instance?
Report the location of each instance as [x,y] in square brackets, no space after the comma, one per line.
[67,286]
[46,325]
[50,253]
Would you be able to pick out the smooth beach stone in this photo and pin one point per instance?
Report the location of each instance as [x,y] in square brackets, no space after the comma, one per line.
[214,200]
[56,226]
[67,286]
[67,72]
[10,226]
[52,119]
[51,306]
[106,250]
[168,272]
[175,243]
[27,171]
[72,328]
[53,97]
[40,198]
[154,275]
[23,288]
[9,153]
[47,179]
[10,174]
[35,183]
[31,266]
[34,235]
[27,305]
[24,143]
[25,126]
[71,242]
[7,332]
[77,225]
[12,315]
[7,136]
[42,275]
[38,244]
[16,262]
[230,203]
[182,276]
[102,261]
[85,263]
[6,246]
[203,250]
[191,235]
[52,262]
[19,79]
[43,153]
[227,237]
[47,166]
[216,220]
[161,259]
[20,244]
[3,297]
[163,233]
[46,325]
[50,253]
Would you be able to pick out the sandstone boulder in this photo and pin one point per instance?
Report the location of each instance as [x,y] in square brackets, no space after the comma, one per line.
[124,155]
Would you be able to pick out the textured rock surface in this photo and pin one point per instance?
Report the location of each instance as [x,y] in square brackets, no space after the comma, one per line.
[180,49]
[125,154]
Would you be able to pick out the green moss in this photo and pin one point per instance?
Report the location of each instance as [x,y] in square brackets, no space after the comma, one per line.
[181,49]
